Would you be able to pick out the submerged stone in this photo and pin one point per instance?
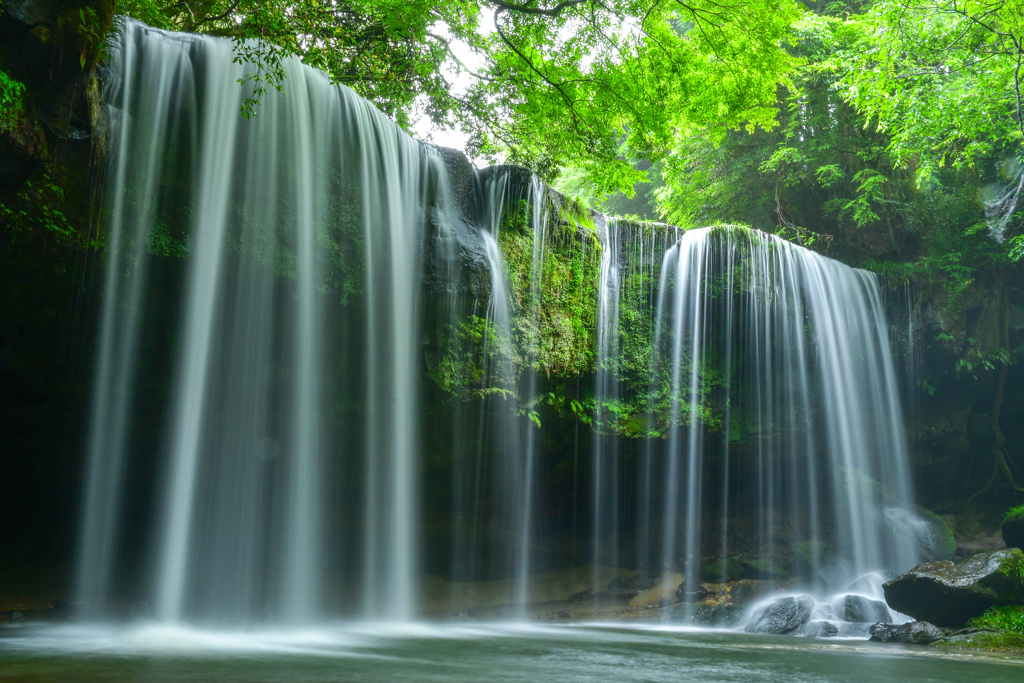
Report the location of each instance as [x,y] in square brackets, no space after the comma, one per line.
[781,616]
[949,594]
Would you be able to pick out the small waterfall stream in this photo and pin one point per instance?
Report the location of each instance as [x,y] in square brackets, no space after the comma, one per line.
[330,365]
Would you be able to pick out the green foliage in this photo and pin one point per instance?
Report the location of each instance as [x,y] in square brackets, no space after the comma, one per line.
[11,93]
[1014,513]
[940,77]
[556,85]
[1008,618]
[556,333]
[38,207]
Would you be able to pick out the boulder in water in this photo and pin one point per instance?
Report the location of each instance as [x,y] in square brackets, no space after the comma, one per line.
[863,610]
[949,594]
[915,633]
[781,616]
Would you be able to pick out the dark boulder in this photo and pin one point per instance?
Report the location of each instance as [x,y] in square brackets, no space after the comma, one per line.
[821,629]
[1013,532]
[582,596]
[781,616]
[949,594]
[864,610]
[914,633]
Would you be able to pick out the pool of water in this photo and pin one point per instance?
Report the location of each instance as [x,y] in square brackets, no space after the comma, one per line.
[471,652]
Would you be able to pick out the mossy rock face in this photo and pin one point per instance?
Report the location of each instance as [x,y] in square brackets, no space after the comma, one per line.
[949,594]
[1013,528]
[986,639]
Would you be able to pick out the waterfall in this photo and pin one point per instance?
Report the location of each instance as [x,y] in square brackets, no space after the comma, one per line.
[792,349]
[333,366]
[250,408]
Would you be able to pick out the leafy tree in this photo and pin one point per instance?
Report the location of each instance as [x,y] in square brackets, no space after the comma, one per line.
[560,83]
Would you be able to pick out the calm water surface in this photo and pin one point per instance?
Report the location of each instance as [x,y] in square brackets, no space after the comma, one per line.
[470,653]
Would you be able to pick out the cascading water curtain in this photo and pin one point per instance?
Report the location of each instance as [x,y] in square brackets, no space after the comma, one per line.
[781,411]
[280,257]
[255,449]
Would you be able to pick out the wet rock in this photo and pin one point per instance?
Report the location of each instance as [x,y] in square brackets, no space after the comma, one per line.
[582,596]
[665,602]
[987,639]
[691,593]
[949,594]
[781,616]
[821,629]
[921,633]
[33,12]
[885,633]
[915,633]
[859,609]
[1013,532]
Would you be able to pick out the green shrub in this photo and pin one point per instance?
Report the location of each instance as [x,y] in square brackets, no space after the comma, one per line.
[1009,618]
[1014,513]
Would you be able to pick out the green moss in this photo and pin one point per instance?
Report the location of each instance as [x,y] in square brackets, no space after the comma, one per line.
[11,107]
[988,640]
[1008,618]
